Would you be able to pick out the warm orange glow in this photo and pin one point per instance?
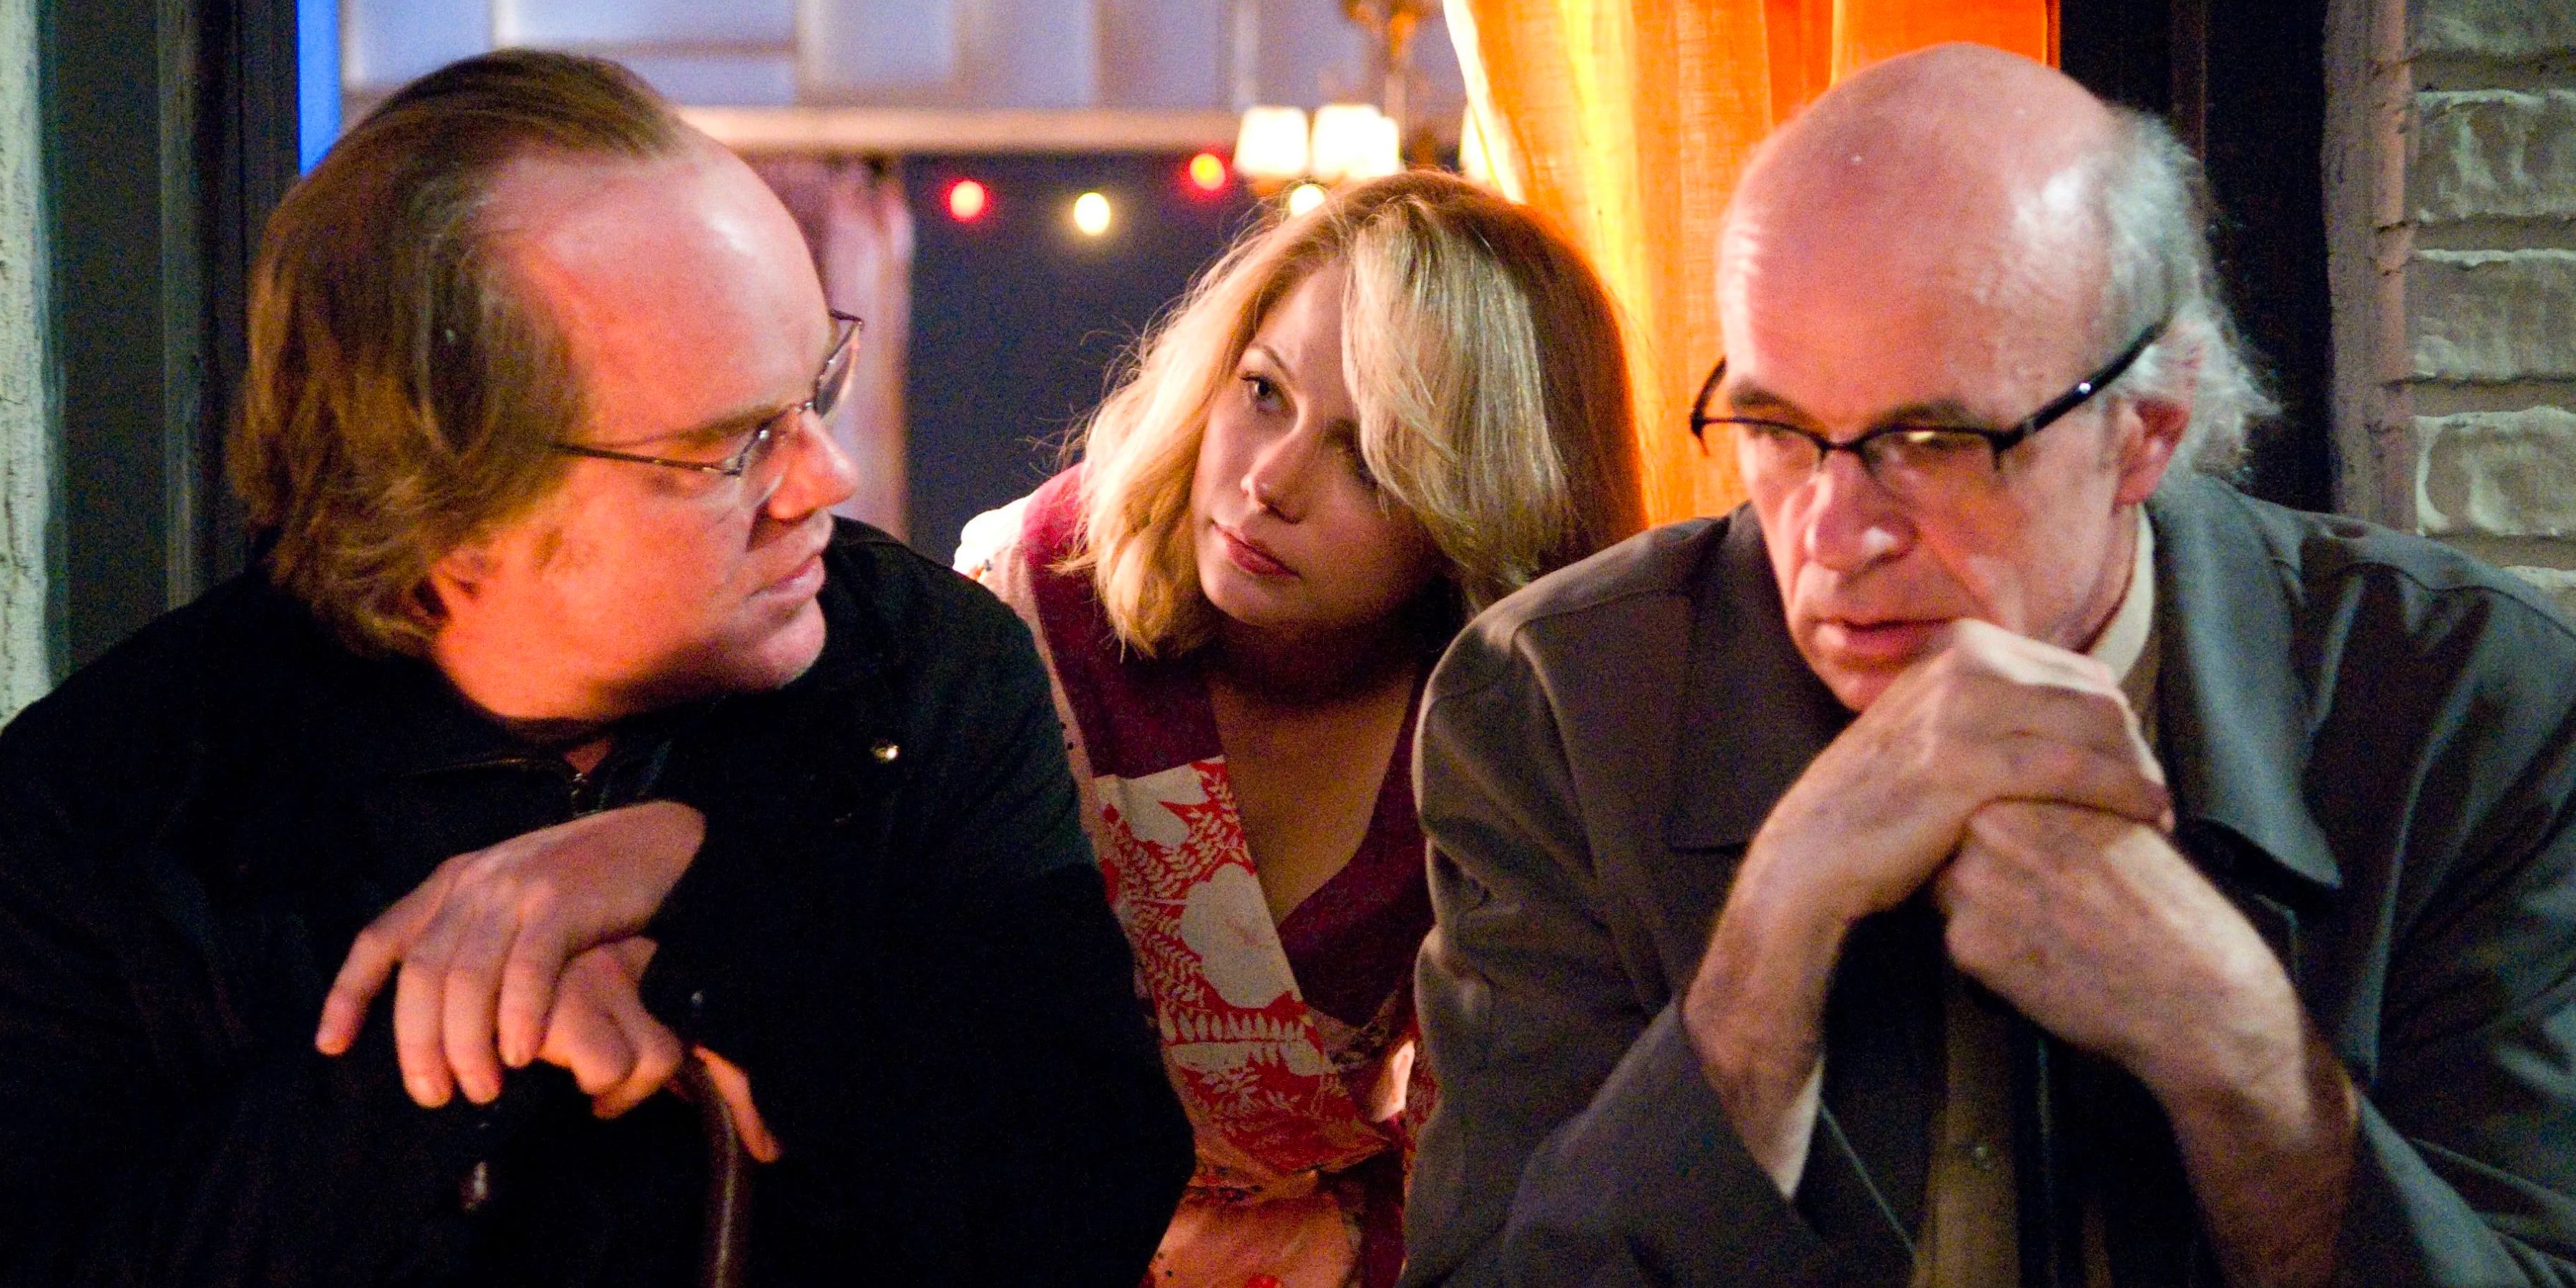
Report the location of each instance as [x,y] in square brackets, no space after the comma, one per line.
[1584,107]
[1207,172]
[967,201]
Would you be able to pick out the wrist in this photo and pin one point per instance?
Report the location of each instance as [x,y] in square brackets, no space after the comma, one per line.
[1756,1005]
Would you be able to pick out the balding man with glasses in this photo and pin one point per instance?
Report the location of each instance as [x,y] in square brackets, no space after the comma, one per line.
[562,750]
[2000,852]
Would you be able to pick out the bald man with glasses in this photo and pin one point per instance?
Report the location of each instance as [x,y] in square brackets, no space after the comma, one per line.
[358,920]
[2000,852]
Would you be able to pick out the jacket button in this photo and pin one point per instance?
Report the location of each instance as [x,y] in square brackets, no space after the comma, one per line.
[884,751]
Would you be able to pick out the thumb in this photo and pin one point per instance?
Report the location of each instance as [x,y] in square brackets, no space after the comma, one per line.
[733,1087]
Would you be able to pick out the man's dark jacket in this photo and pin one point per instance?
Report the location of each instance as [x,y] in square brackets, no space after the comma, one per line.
[2372,746]
[894,927]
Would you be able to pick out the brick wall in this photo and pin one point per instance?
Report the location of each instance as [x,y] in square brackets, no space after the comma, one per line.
[2451,209]
[26,387]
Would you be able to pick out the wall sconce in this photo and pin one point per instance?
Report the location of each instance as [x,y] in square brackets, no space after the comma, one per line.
[1353,141]
[1271,147]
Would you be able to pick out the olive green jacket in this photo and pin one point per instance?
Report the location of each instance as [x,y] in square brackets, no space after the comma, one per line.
[2372,743]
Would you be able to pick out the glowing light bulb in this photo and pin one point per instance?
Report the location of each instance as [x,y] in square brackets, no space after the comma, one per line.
[1207,172]
[1304,197]
[1091,214]
[967,201]
[1271,147]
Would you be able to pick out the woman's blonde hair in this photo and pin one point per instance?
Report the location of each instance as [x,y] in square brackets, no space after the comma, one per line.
[1483,357]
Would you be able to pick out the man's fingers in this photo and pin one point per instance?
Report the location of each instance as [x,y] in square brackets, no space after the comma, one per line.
[657,1056]
[473,978]
[2092,777]
[370,963]
[734,1086]
[584,1039]
[418,1002]
[529,981]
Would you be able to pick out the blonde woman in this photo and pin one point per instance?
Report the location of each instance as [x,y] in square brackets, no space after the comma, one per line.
[1360,426]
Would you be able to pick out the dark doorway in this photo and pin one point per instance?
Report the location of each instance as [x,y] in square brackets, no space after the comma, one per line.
[170,133]
[2244,84]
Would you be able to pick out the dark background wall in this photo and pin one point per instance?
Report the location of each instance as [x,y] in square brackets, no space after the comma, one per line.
[1018,320]
[2244,85]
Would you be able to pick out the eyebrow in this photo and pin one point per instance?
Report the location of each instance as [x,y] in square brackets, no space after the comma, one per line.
[718,430]
[1934,411]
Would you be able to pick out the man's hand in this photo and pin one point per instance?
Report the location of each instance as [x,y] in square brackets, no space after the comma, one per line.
[1991,716]
[619,1055]
[482,943]
[2102,933]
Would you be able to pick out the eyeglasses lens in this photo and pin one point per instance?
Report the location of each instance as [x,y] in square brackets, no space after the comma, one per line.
[1921,465]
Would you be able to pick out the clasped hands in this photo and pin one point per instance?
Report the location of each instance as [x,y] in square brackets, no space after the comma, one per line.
[532,950]
[2011,778]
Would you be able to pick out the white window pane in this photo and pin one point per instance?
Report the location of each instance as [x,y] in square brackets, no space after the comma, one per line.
[1310,54]
[1163,53]
[719,80]
[1031,53]
[874,51]
[387,42]
[645,22]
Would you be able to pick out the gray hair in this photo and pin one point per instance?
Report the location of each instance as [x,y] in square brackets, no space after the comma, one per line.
[2156,211]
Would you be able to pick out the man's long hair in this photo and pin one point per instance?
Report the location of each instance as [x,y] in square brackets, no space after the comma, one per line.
[402,390]
[2155,208]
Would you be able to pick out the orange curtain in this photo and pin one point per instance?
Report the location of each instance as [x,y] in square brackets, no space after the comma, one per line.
[1627,121]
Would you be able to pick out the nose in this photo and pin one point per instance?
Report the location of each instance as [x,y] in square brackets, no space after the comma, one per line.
[1849,521]
[819,474]
[1276,479]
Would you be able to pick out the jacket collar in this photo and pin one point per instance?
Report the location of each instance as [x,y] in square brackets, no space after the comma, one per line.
[1756,715]
[2233,715]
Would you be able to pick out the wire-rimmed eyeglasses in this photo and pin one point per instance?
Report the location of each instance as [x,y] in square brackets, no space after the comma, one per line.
[754,461]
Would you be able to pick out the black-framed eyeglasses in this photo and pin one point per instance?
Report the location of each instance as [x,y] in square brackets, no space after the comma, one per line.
[760,447]
[1906,457]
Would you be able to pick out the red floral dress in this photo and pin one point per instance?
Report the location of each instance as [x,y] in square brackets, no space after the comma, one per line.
[1292,1045]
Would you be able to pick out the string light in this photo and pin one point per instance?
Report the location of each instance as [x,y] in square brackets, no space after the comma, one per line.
[1305,197]
[1207,172]
[967,201]
[1091,214]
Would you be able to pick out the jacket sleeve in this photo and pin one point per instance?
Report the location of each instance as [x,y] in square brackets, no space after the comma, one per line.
[152,1135]
[1576,1140]
[936,1009]
[2465,1166]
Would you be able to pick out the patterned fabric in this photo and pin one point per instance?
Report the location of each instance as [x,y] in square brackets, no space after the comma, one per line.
[1291,1045]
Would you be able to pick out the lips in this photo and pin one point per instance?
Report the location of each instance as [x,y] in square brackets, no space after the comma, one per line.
[1891,641]
[1249,555]
[803,581]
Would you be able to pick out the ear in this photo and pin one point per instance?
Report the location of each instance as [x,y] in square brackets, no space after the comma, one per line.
[2151,431]
[460,576]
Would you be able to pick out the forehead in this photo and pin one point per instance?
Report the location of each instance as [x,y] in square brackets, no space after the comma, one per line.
[1847,310]
[1306,323]
[676,264]
[633,238]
